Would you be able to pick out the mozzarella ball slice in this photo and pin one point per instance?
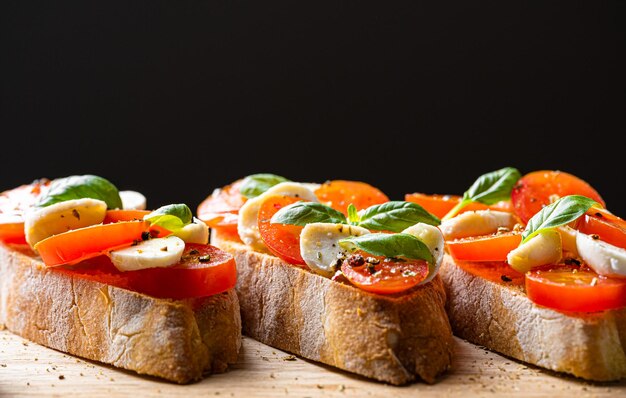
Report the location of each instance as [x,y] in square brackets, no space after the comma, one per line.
[542,249]
[432,237]
[604,258]
[153,253]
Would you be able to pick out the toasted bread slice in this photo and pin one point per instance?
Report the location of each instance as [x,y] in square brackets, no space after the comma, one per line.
[177,340]
[393,338]
[501,318]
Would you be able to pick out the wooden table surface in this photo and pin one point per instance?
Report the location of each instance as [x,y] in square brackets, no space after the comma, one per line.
[30,370]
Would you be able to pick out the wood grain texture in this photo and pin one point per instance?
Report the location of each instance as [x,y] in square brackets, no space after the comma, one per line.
[30,370]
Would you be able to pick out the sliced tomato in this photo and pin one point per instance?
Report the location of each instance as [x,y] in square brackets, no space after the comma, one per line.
[281,239]
[440,205]
[494,271]
[203,270]
[484,248]
[80,244]
[221,208]
[572,288]
[607,226]
[339,194]
[540,188]
[13,204]
[113,216]
[383,275]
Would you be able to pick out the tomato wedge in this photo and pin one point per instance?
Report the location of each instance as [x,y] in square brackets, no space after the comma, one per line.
[281,239]
[607,226]
[204,270]
[538,189]
[571,288]
[440,205]
[221,208]
[339,194]
[484,248]
[80,244]
[383,275]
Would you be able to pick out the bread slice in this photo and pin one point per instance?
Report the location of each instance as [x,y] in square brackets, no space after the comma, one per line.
[177,340]
[394,339]
[501,318]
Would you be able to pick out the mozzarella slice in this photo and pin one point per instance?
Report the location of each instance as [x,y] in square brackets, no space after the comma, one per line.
[319,245]
[476,223]
[61,217]
[604,258]
[544,248]
[194,232]
[432,237]
[132,200]
[153,253]
[247,225]
[568,239]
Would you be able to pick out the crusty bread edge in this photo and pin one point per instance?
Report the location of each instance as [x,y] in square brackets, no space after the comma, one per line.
[590,346]
[394,339]
[177,340]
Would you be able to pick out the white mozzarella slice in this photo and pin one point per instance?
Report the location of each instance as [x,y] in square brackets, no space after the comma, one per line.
[604,258]
[132,200]
[432,237]
[194,232]
[247,225]
[153,253]
[476,223]
[542,249]
[61,217]
[319,245]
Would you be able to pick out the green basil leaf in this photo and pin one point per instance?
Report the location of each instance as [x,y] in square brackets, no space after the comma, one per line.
[303,213]
[488,189]
[353,215]
[80,187]
[255,184]
[395,216]
[390,245]
[171,217]
[561,212]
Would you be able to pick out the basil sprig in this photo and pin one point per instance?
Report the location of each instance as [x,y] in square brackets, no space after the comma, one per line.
[171,217]
[390,245]
[255,184]
[80,187]
[393,216]
[488,189]
[303,213]
[561,212]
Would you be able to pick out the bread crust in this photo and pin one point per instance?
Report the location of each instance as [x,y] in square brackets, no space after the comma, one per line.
[177,340]
[392,338]
[502,318]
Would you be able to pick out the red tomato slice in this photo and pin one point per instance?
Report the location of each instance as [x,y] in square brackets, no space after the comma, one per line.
[494,271]
[535,190]
[203,271]
[80,244]
[113,216]
[387,276]
[339,194]
[13,204]
[484,248]
[221,208]
[440,205]
[571,288]
[281,239]
[607,226]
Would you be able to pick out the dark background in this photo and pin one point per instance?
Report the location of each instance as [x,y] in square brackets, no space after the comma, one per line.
[175,98]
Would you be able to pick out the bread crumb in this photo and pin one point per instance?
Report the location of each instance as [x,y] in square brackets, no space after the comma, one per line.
[289,358]
[61,377]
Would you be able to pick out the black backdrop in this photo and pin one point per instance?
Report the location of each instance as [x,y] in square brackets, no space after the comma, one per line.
[175,98]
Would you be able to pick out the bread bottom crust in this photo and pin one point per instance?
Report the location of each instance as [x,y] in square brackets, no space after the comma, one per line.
[394,338]
[177,340]
[503,319]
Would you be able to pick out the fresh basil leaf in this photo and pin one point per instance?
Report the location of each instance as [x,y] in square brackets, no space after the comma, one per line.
[255,184]
[171,217]
[390,245]
[303,213]
[395,216]
[80,187]
[353,215]
[488,189]
[561,212]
